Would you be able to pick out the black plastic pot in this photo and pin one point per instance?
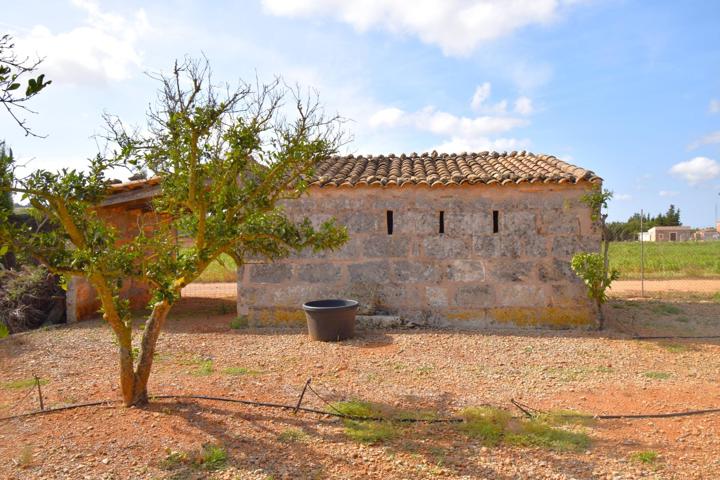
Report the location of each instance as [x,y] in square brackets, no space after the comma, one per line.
[331,320]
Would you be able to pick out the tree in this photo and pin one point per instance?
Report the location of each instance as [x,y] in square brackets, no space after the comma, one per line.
[594,268]
[17,82]
[7,258]
[626,231]
[6,163]
[225,158]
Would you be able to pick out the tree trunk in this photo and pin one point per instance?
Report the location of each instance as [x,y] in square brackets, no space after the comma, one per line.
[127,376]
[147,352]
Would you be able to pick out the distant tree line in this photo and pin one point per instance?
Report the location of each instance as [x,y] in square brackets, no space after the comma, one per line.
[624,231]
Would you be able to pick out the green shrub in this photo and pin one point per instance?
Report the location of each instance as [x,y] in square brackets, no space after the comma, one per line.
[356,408]
[536,433]
[209,457]
[369,431]
[485,423]
[646,456]
[240,322]
[205,368]
[212,457]
[22,383]
[494,426]
[292,435]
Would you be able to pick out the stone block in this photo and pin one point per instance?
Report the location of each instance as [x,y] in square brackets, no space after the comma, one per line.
[570,293]
[556,270]
[392,297]
[372,272]
[416,222]
[270,272]
[466,271]
[536,245]
[446,246]
[363,222]
[496,245]
[416,271]
[567,246]
[468,222]
[318,272]
[387,246]
[510,270]
[560,222]
[518,222]
[475,296]
[520,295]
[436,296]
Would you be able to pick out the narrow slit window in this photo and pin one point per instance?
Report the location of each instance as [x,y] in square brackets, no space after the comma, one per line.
[389,215]
[441,228]
[496,221]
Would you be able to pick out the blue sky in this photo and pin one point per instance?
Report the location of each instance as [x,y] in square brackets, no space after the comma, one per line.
[629,89]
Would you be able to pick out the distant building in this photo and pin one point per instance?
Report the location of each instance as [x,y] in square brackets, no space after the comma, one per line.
[644,236]
[670,234]
[707,234]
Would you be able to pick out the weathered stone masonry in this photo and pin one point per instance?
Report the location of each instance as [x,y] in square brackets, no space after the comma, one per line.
[467,276]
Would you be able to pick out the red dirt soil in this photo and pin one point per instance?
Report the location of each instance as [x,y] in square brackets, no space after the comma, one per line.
[443,370]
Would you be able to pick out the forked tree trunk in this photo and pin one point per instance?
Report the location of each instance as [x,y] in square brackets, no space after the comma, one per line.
[133,380]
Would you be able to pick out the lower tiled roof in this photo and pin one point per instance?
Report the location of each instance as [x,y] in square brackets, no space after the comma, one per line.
[436,169]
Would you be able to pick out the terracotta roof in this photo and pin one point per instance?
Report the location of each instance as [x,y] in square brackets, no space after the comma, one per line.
[436,169]
[133,185]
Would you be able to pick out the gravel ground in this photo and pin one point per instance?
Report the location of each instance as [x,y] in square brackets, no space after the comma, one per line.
[443,370]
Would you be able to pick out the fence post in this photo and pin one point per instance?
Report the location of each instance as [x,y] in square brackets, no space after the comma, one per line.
[39,390]
[642,255]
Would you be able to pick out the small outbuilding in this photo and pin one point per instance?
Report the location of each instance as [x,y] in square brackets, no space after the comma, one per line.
[469,239]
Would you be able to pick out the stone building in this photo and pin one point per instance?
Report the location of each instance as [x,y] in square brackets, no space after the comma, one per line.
[471,239]
[127,208]
[680,233]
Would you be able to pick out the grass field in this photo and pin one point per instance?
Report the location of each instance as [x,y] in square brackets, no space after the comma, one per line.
[219,272]
[662,261]
[667,259]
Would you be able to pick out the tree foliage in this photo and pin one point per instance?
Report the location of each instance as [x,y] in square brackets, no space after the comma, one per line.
[18,82]
[626,231]
[224,159]
[591,268]
[594,268]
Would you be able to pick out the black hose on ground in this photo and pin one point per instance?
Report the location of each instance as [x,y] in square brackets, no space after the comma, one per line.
[355,417]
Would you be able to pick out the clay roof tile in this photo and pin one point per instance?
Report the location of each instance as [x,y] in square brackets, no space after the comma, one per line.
[438,169]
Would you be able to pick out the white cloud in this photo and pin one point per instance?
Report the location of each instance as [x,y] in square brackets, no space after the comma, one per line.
[482,93]
[623,197]
[103,49]
[709,139]
[524,106]
[714,106]
[459,144]
[668,193]
[463,133]
[697,170]
[456,26]
[387,117]
[443,123]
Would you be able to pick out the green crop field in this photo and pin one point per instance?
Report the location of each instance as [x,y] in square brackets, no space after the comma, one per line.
[667,259]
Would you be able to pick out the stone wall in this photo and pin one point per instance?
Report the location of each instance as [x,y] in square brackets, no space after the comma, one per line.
[466,276]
